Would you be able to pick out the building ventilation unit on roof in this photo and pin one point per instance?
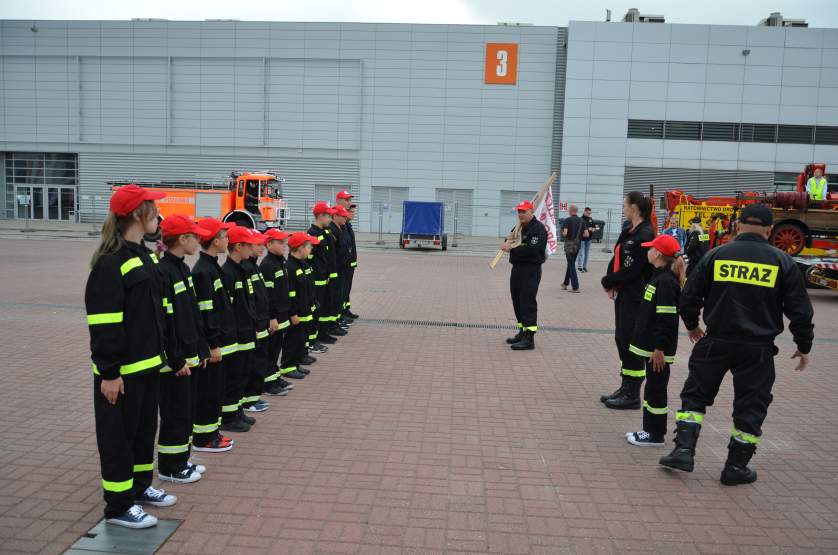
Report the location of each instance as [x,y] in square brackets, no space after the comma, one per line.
[634,16]
[776,19]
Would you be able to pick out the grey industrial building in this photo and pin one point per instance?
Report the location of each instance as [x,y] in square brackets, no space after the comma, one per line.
[402,111]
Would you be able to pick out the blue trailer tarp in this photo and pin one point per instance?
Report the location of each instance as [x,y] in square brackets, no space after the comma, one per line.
[422,218]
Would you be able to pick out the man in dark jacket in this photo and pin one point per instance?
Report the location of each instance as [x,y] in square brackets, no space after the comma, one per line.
[745,288]
[526,259]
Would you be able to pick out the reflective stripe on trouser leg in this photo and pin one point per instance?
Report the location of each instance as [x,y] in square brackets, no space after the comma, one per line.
[688,416]
[655,410]
[175,436]
[744,437]
[207,402]
[232,385]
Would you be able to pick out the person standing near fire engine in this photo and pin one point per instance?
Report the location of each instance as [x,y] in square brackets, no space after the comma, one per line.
[817,186]
[526,259]
[745,287]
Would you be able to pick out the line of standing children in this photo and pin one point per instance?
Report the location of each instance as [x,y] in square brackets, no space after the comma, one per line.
[198,346]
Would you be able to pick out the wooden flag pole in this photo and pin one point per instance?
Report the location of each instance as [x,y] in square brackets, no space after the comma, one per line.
[515,236]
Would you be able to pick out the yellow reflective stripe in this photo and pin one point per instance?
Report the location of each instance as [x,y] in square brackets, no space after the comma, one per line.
[634,373]
[313,308]
[272,378]
[704,237]
[279,273]
[308,318]
[529,328]
[246,346]
[353,264]
[666,309]
[230,408]
[239,285]
[654,410]
[639,352]
[333,275]
[251,399]
[321,282]
[520,325]
[104,318]
[118,487]
[205,305]
[229,349]
[167,306]
[310,256]
[193,361]
[255,277]
[287,369]
[292,293]
[262,334]
[744,437]
[204,428]
[749,273]
[130,264]
[299,272]
[216,285]
[285,324]
[154,258]
[172,449]
[269,284]
[179,287]
[308,271]
[135,367]
[650,292]
[143,467]
[689,416]
[165,370]
[669,359]
[190,282]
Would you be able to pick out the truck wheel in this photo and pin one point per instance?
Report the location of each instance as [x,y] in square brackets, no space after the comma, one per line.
[240,218]
[788,238]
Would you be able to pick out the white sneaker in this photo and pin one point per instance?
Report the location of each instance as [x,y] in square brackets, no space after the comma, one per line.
[185,476]
[199,468]
[643,439]
[157,497]
[135,518]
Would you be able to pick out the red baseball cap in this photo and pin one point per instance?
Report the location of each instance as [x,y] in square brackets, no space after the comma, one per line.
[276,234]
[524,205]
[341,211]
[299,237]
[241,234]
[667,245]
[322,207]
[344,195]
[126,199]
[178,224]
[214,226]
[260,238]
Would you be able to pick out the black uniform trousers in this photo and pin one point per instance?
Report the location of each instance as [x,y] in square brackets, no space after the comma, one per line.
[523,285]
[632,366]
[176,410]
[322,317]
[655,400]
[275,341]
[335,298]
[347,303]
[752,366]
[207,403]
[233,384]
[338,304]
[294,347]
[125,436]
[255,372]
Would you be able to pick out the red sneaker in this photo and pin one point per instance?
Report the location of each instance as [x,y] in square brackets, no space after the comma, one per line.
[213,446]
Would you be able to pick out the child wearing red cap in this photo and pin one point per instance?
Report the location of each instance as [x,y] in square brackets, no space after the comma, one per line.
[343,259]
[300,302]
[655,337]
[219,326]
[273,268]
[240,289]
[322,262]
[123,300]
[255,380]
[186,351]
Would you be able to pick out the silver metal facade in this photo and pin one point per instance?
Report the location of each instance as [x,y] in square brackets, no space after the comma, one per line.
[358,105]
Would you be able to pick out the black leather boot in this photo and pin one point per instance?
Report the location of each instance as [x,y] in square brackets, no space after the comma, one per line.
[515,339]
[604,398]
[683,456]
[736,469]
[526,343]
[629,397]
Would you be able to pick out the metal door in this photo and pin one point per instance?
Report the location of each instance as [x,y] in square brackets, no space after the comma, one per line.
[459,209]
[387,207]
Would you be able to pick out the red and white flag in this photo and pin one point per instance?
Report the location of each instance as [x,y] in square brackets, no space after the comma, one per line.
[546,215]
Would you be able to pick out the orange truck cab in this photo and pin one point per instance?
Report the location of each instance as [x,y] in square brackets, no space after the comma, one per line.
[250,199]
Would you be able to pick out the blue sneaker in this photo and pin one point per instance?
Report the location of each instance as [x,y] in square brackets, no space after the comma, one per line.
[258,406]
[156,497]
[135,517]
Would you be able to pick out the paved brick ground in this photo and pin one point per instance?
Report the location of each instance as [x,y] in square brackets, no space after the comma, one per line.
[416,438]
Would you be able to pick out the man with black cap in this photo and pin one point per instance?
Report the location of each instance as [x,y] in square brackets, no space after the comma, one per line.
[526,258]
[697,244]
[745,288]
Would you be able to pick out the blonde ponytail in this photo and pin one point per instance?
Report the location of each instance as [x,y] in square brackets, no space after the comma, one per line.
[114,226]
[679,268]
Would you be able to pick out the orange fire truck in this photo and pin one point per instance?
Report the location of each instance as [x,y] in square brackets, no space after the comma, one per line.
[250,199]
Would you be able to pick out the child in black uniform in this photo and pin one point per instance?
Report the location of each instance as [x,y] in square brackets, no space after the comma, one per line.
[273,269]
[655,337]
[255,380]
[301,301]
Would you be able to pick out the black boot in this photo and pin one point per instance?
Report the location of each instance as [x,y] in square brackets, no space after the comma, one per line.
[526,343]
[628,398]
[604,398]
[736,469]
[683,456]
[517,337]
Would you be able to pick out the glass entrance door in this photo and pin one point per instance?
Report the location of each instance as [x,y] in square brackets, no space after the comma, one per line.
[45,203]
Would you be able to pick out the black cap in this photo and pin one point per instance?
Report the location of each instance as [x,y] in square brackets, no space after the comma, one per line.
[756,214]
[696,220]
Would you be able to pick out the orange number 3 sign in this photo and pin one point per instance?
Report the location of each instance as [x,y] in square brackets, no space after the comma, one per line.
[501,63]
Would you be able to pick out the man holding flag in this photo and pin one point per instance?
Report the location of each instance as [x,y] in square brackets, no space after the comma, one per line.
[526,255]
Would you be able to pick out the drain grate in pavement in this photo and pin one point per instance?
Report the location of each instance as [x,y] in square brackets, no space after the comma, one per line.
[116,539]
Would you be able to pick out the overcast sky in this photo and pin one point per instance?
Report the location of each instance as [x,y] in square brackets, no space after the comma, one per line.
[819,13]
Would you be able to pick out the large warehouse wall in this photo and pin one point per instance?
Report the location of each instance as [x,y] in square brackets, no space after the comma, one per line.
[408,103]
[695,73]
